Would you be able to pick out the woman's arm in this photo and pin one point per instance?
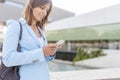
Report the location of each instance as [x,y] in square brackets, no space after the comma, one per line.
[10,55]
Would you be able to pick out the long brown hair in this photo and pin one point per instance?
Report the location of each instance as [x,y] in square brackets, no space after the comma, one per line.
[27,13]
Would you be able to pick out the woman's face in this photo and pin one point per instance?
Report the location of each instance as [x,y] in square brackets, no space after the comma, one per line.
[40,12]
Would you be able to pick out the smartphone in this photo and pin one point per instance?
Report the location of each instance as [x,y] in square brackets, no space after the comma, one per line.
[60,42]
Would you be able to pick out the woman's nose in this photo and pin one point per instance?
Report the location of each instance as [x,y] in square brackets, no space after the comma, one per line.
[45,12]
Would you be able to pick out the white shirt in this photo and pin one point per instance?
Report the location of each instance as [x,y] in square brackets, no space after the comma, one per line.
[41,41]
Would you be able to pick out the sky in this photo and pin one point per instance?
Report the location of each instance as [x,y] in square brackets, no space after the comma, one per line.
[83,6]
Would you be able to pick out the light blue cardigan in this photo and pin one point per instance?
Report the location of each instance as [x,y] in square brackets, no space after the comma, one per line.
[33,63]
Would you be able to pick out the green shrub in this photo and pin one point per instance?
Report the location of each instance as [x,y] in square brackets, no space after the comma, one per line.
[83,54]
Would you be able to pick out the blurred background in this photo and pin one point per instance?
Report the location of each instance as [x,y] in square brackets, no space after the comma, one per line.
[90,28]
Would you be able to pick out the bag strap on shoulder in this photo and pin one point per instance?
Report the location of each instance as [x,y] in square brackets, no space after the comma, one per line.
[20,36]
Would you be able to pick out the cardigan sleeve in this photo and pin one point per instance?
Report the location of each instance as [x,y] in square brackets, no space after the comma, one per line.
[51,57]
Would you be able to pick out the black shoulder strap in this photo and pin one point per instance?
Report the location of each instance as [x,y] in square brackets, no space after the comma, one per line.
[20,36]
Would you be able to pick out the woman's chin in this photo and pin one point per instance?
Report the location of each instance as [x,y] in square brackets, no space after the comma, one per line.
[38,20]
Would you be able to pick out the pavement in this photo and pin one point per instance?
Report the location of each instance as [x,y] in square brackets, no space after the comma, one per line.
[94,74]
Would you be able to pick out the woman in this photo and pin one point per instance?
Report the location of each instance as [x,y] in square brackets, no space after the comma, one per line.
[35,51]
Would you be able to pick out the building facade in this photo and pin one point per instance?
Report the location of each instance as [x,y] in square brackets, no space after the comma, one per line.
[98,29]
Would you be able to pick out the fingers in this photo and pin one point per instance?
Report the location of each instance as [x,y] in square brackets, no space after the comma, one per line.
[49,50]
[55,45]
[52,52]
[59,46]
[52,49]
[52,45]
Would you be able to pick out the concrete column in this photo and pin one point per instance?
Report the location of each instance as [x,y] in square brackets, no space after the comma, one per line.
[68,46]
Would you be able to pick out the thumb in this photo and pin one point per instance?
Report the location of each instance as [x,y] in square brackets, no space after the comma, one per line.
[52,45]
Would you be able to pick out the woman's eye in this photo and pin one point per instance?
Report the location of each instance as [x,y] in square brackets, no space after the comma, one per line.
[42,7]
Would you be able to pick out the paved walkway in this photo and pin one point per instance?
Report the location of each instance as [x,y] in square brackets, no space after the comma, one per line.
[96,74]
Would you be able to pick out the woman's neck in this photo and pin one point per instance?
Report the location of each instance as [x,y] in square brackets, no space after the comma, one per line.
[35,29]
[33,23]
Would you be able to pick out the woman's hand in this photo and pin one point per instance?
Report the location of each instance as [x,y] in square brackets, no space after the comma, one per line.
[50,49]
